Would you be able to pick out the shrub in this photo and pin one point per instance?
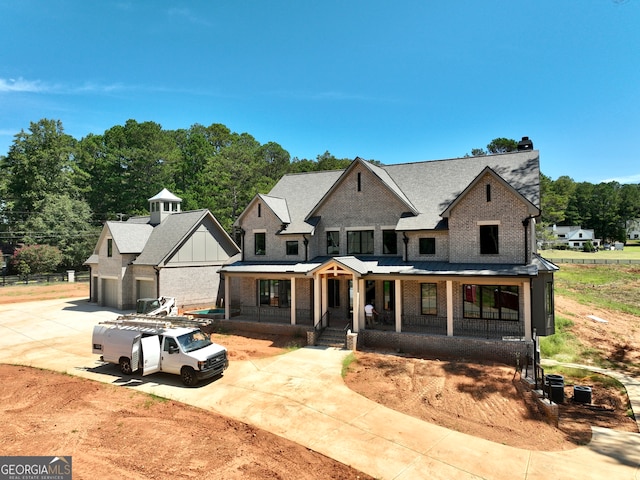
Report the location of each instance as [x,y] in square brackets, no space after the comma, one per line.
[33,259]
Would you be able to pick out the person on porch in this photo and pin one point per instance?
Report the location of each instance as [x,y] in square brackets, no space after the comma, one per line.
[369,311]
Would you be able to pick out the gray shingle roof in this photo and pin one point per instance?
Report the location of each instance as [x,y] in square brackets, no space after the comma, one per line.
[130,237]
[168,235]
[427,188]
[390,266]
[278,206]
[302,191]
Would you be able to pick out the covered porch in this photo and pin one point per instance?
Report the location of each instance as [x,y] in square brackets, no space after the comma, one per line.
[460,303]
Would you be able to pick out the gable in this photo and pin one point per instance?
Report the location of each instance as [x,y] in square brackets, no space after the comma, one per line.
[201,246]
[359,199]
[486,188]
[174,233]
[362,179]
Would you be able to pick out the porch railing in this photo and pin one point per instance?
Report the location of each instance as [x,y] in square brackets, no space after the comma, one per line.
[424,324]
[273,315]
[463,327]
[484,328]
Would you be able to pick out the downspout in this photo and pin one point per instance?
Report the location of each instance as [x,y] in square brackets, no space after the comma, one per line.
[90,285]
[525,224]
[242,232]
[405,239]
[157,281]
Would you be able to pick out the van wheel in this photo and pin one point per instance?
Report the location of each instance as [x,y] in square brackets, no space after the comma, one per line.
[188,376]
[125,366]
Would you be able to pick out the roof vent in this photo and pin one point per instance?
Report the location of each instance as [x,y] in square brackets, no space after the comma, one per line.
[525,144]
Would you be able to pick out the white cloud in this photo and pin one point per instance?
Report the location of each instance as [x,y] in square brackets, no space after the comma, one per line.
[626,179]
[21,85]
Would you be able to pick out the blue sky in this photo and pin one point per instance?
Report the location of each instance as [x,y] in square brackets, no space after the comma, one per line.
[397,81]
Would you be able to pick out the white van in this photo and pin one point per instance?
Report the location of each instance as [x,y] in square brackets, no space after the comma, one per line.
[160,347]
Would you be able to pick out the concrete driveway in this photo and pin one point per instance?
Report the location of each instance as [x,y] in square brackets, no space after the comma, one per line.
[301,396]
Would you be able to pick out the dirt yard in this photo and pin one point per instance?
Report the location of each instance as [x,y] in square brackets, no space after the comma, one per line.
[43,412]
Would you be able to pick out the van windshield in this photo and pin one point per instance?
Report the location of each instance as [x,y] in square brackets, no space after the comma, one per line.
[194,341]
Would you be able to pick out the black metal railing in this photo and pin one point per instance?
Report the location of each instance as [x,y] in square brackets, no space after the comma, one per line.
[424,324]
[486,328]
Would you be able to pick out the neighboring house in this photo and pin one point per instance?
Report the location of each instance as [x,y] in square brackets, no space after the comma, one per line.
[445,250]
[573,236]
[169,253]
[633,229]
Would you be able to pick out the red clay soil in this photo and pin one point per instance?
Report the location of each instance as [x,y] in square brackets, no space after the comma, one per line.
[125,434]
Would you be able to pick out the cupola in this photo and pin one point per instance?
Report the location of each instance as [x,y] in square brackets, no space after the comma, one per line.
[162,205]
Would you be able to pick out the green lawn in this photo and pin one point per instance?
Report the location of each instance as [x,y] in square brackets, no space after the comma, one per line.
[614,287]
[629,253]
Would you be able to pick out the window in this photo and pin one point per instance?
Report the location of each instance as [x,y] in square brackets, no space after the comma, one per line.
[429,299]
[333,287]
[427,246]
[488,193]
[488,239]
[274,293]
[491,302]
[359,181]
[109,247]
[166,206]
[360,241]
[260,243]
[174,206]
[333,243]
[259,210]
[389,242]
[292,247]
[549,307]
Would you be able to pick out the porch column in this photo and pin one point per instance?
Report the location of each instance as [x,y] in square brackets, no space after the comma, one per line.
[526,289]
[355,313]
[449,308]
[398,306]
[317,300]
[325,295]
[227,297]
[361,300]
[293,300]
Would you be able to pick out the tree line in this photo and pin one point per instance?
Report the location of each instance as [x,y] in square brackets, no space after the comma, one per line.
[58,191]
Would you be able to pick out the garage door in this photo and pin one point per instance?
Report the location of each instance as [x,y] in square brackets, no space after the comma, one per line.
[145,289]
[110,292]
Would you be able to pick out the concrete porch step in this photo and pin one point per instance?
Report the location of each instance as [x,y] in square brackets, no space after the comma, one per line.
[332,337]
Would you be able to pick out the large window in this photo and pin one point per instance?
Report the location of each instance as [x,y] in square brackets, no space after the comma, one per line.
[429,299]
[489,239]
[427,246]
[260,243]
[389,242]
[274,293]
[333,243]
[360,242]
[491,302]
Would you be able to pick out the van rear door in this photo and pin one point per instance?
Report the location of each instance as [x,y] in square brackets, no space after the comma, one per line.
[150,354]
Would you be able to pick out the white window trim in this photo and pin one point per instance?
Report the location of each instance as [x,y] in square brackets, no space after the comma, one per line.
[487,222]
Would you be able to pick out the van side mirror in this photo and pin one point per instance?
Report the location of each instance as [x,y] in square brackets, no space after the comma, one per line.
[173,349]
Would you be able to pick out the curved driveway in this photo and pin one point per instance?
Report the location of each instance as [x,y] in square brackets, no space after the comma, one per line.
[301,396]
